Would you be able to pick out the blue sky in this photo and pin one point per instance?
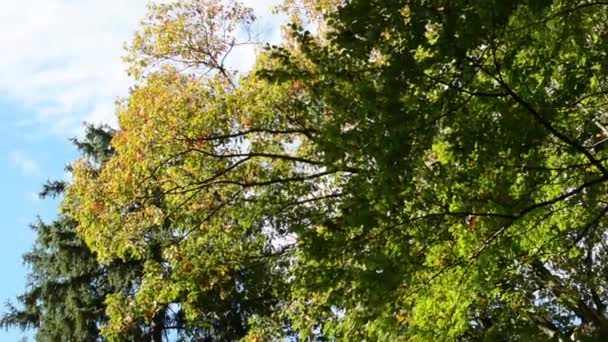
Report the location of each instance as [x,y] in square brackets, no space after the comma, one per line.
[60,66]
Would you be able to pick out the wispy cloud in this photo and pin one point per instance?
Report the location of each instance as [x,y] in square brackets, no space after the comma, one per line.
[61,59]
[24,163]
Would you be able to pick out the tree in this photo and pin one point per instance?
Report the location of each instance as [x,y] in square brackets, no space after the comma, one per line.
[478,208]
[67,287]
[415,170]
[216,297]
[211,272]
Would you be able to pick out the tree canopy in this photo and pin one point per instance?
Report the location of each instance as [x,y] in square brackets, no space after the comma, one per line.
[393,170]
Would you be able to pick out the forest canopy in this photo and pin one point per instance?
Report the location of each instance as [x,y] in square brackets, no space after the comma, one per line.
[391,171]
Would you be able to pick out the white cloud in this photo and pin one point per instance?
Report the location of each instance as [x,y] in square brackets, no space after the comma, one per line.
[61,59]
[24,163]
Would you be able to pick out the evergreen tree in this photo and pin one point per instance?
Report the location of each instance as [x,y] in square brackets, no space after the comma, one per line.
[67,287]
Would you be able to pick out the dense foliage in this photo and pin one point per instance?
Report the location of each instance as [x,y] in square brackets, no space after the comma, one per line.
[411,170]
